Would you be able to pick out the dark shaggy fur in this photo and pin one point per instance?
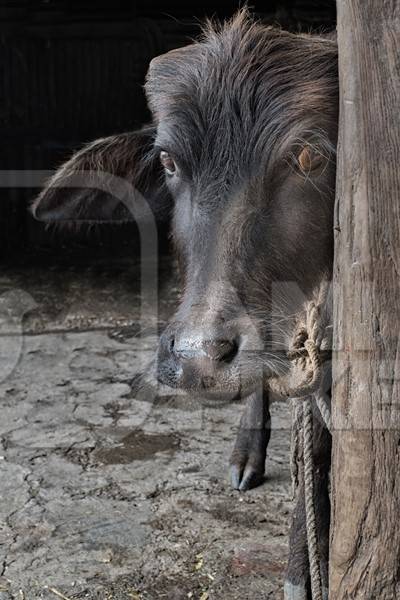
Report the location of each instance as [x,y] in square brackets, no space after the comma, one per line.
[245,90]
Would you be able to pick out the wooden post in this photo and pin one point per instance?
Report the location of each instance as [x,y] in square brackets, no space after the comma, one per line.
[365,538]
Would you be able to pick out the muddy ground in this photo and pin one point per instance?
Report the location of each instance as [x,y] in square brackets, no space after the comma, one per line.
[111,489]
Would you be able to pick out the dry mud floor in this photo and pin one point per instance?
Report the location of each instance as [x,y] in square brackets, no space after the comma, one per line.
[109,490]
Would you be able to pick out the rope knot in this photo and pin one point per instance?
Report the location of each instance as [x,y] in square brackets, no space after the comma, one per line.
[306,353]
[308,360]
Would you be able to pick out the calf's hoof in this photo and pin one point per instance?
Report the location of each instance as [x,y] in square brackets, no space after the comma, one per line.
[247,464]
[246,477]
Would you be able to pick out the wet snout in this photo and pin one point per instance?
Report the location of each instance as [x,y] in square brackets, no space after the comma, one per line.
[195,346]
[197,357]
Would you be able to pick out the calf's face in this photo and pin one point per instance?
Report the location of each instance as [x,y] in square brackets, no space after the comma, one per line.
[246,132]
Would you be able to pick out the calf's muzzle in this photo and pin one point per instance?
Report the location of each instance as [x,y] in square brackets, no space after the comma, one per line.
[196,358]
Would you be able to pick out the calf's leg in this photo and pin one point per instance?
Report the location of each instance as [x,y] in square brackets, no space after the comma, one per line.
[250,450]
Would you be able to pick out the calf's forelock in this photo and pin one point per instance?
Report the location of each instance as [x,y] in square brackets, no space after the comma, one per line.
[244,90]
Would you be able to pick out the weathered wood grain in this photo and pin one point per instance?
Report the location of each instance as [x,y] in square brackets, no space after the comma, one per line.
[365,538]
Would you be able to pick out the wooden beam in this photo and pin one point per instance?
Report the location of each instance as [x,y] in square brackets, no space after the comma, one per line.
[365,530]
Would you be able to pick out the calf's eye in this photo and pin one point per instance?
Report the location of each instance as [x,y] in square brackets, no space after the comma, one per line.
[309,159]
[167,162]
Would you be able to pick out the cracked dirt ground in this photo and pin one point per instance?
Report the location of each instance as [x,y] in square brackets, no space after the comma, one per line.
[108,491]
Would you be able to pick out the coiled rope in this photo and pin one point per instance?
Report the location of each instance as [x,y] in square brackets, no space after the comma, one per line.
[309,353]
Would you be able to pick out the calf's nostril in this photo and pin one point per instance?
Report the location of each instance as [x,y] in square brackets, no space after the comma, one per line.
[232,351]
[221,350]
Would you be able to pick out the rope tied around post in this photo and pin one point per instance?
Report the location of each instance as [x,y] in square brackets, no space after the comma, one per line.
[309,352]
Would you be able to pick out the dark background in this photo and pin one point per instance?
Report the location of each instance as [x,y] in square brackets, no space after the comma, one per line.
[73,70]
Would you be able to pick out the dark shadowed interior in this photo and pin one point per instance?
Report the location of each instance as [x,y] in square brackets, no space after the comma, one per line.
[74,71]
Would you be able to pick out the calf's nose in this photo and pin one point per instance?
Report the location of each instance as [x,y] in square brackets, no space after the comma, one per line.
[194,358]
[196,347]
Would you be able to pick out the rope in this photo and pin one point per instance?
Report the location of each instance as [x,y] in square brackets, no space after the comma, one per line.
[323,409]
[308,354]
[311,525]
[295,445]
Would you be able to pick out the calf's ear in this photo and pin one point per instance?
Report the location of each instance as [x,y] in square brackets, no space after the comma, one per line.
[113,179]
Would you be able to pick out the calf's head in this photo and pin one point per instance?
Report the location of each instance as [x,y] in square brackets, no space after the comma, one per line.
[244,128]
